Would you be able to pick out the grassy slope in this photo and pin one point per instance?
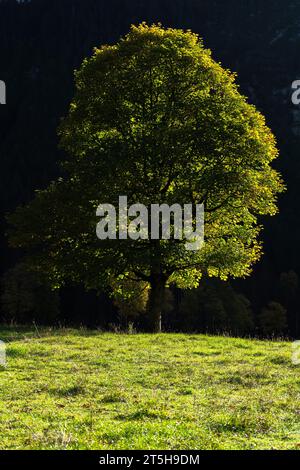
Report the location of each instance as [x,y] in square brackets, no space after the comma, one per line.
[87,390]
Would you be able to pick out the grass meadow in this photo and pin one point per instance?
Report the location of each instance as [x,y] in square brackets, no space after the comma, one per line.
[78,389]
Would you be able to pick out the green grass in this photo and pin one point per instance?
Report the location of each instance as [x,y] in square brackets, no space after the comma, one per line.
[91,390]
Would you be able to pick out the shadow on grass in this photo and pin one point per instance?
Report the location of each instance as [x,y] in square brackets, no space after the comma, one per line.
[72,391]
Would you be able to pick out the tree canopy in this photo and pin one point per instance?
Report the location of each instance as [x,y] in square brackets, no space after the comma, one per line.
[154,118]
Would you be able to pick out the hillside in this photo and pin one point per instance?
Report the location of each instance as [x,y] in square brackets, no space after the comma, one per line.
[85,389]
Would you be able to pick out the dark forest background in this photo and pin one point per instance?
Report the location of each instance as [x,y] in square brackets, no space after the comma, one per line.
[43,41]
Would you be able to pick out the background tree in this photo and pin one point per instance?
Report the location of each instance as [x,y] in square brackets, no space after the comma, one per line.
[130,298]
[273,320]
[156,119]
[25,297]
[215,307]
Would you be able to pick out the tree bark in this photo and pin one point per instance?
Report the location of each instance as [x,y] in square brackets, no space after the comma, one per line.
[155,303]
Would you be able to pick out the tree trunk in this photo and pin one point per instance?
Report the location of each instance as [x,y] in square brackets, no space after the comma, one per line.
[155,303]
